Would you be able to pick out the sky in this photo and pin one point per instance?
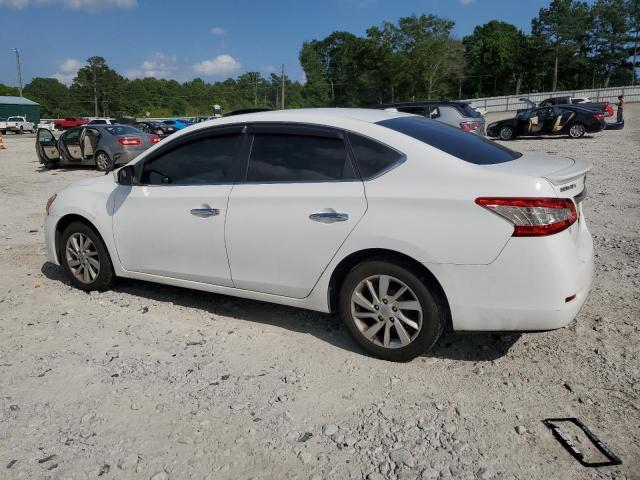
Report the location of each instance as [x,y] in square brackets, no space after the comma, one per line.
[210,39]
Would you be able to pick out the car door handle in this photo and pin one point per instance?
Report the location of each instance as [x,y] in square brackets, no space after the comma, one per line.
[329,216]
[205,212]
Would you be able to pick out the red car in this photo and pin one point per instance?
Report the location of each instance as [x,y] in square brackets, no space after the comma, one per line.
[70,122]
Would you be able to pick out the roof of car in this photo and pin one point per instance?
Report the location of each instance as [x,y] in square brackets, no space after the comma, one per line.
[419,103]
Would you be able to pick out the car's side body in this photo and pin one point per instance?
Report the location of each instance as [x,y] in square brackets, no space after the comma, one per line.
[69,122]
[79,146]
[260,241]
[586,103]
[19,125]
[549,121]
[458,114]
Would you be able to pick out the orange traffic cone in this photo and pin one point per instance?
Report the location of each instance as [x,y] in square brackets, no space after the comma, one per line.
[2,147]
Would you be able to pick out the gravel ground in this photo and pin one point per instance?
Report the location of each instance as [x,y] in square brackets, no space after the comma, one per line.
[156,382]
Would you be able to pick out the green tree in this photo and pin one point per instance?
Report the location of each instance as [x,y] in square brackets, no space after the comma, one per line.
[53,96]
[563,24]
[316,88]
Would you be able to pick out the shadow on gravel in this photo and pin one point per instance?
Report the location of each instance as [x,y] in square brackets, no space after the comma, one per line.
[328,328]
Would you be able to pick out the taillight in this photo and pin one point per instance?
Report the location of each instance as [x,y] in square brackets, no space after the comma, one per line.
[469,126]
[533,217]
[598,116]
[128,141]
[155,139]
[609,109]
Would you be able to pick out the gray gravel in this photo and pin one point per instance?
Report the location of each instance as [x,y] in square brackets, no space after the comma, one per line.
[155,382]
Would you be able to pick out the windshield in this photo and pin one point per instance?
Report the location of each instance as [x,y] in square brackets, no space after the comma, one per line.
[466,146]
[15,119]
[469,111]
[119,130]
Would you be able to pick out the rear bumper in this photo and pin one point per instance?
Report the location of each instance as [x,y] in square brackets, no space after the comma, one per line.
[126,156]
[526,288]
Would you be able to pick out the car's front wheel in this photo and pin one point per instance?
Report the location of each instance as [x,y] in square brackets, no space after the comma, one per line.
[85,258]
[103,162]
[576,130]
[390,310]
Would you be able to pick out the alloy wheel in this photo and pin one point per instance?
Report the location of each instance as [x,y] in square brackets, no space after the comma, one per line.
[576,130]
[82,258]
[506,133]
[386,311]
[102,161]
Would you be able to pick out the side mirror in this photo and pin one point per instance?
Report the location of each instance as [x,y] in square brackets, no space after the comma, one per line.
[124,176]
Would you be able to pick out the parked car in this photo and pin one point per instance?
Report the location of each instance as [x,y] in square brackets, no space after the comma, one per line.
[603,107]
[572,120]
[456,113]
[402,224]
[19,125]
[47,125]
[3,125]
[157,128]
[101,145]
[177,124]
[102,121]
[69,122]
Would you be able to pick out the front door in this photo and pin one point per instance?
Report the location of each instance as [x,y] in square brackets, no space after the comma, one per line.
[301,200]
[172,224]
[46,146]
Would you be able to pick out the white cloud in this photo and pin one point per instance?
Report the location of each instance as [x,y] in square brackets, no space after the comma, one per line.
[218,31]
[68,70]
[88,5]
[159,65]
[466,2]
[221,65]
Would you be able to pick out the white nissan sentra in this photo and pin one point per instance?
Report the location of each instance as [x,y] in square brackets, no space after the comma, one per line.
[403,225]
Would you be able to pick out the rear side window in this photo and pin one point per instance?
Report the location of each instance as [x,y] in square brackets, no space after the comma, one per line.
[298,158]
[373,158]
[466,146]
[204,161]
[413,110]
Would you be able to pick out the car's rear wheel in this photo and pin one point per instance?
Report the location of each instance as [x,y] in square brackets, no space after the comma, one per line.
[49,165]
[390,310]
[84,257]
[577,130]
[506,133]
[103,162]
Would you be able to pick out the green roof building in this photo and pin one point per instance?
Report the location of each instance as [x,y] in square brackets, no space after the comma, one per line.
[19,106]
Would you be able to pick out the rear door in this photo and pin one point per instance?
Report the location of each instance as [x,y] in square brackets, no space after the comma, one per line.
[69,144]
[300,201]
[47,146]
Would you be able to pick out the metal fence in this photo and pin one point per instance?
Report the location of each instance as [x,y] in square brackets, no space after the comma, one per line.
[512,102]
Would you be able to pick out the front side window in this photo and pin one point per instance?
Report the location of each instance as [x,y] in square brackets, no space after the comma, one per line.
[373,158]
[204,161]
[298,158]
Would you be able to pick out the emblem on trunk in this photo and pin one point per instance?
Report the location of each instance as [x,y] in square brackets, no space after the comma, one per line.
[567,187]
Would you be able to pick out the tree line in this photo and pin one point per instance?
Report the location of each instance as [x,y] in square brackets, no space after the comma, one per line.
[572,45]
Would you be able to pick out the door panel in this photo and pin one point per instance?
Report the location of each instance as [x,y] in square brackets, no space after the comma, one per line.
[47,147]
[273,244]
[70,142]
[156,232]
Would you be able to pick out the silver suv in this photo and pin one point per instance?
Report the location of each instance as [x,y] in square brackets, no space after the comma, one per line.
[458,114]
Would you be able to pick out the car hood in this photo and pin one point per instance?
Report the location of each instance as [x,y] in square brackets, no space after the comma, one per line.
[86,182]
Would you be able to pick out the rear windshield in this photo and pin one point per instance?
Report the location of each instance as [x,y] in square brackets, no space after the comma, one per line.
[466,146]
[119,130]
[469,111]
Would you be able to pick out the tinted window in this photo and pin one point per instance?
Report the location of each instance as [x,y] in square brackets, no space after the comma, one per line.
[373,158]
[200,162]
[73,136]
[434,112]
[469,111]
[298,158]
[414,110]
[118,130]
[469,147]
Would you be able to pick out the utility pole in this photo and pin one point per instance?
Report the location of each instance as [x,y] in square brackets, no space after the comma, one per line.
[95,91]
[282,87]
[19,70]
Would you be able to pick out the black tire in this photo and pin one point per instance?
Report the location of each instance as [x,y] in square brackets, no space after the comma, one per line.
[105,275]
[577,130]
[506,133]
[50,165]
[104,163]
[433,310]
[21,131]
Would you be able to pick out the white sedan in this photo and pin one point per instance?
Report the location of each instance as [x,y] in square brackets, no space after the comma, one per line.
[403,225]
